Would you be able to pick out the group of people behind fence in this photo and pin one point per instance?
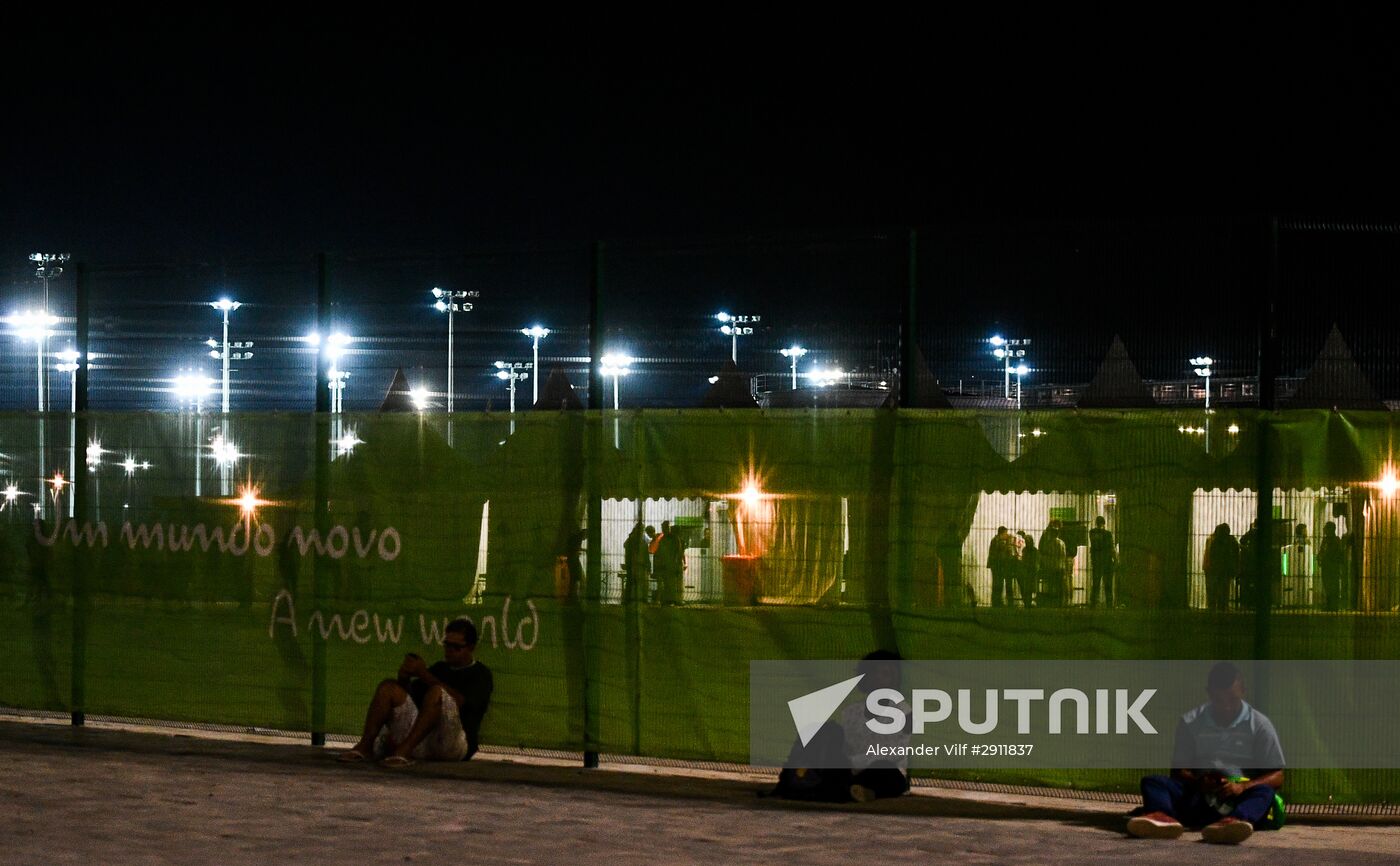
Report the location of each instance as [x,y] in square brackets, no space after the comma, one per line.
[1042,574]
[1232,564]
[653,564]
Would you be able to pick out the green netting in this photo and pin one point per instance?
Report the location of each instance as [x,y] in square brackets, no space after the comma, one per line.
[809,535]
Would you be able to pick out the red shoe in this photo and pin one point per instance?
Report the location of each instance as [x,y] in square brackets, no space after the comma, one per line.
[1155,825]
[1227,831]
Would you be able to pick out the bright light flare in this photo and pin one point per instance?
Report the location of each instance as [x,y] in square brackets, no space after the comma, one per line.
[248,501]
[94,453]
[536,332]
[225,305]
[616,364]
[225,452]
[1389,482]
[32,324]
[419,396]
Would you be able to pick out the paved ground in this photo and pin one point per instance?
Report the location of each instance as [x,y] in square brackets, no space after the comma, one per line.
[115,797]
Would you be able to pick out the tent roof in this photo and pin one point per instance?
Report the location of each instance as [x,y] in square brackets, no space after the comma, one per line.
[1117,384]
[1335,380]
[558,392]
[398,397]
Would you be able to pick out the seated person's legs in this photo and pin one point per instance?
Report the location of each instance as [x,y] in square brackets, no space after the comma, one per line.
[1253,805]
[879,781]
[433,731]
[389,695]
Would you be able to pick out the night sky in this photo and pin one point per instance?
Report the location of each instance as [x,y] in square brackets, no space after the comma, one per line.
[1047,160]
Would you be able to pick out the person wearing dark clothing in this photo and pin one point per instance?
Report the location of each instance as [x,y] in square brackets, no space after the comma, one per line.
[1054,560]
[1027,573]
[636,565]
[1221,565]
[669,564]
[1103,559]
[1227,766]
[1249,566]
[1002,560]
[429,712]
[1332,561]
[835,766]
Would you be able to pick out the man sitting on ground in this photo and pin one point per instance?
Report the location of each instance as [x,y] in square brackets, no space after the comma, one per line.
[429,713]
[1227,765]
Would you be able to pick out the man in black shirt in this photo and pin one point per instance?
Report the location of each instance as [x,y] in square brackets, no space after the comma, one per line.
[429,712]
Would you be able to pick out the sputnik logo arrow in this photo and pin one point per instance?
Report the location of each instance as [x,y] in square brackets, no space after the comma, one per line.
[811,711]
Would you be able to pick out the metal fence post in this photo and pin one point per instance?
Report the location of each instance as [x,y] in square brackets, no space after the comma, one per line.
[320,447]
[83,313]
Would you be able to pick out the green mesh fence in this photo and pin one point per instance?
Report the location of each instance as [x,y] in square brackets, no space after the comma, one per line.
[172,586]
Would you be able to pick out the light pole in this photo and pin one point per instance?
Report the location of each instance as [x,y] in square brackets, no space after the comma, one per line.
[225,306]
[47,267]
[735,327]
[793,352]
[512,373]
[1005,350]
[451,302]
[37,325]
[191,389]
[536,333]
[335,349]
[70,365]
[616,365]
[1203,366]
[1020,370]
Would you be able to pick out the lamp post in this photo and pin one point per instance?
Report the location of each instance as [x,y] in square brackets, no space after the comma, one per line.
[224,352]
[793,352]
[616,365]
[452,302]
[535,333]
[512,373]
[735,327]
[1020,370]
[37,325]
[48,266]
[1005,350]
[1203,366]
[191,389]
[334,348]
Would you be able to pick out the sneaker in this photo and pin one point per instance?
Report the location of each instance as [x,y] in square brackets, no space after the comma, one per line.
[1227,831]
[862,794]
[1155,825]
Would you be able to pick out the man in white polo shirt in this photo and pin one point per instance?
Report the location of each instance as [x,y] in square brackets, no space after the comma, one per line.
[1227,765]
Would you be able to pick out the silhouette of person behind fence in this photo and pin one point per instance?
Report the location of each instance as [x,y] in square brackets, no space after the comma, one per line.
[1221,566]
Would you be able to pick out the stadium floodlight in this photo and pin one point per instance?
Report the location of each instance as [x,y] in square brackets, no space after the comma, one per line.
[1203,365]
[452,302]
[226,306]
[512,373]
[1020,371]
[735,327]
[793,352]
[616,365]
[1006,350]
[536,333]
[36,325]
[419,397]
[823,377]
